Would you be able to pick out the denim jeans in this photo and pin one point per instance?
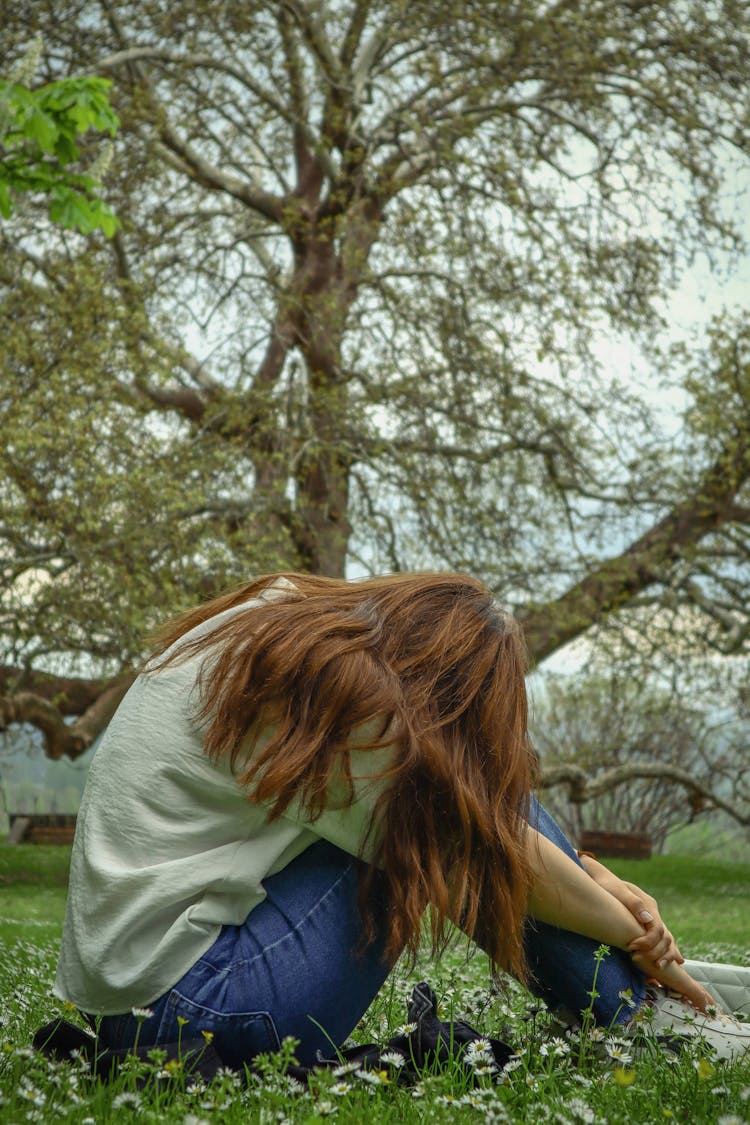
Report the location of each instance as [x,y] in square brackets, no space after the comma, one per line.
[293,968]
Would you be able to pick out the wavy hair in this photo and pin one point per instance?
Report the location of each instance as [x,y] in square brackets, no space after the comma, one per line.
[441,670]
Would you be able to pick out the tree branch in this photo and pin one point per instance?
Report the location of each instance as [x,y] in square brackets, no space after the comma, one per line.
[647,560]
[318,42]
[71,695]
[200,169]
[583,788]
[61,738]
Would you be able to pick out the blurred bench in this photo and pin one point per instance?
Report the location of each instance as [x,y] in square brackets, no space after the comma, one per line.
[41,828]
[617,845]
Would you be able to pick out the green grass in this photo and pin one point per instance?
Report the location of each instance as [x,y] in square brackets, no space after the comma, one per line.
[706,902]
[33,886]
[560,1082]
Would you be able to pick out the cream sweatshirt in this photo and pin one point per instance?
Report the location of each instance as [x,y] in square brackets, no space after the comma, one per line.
[168,848]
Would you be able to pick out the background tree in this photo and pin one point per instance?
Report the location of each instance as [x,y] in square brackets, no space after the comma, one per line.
[351,318]
[607,726]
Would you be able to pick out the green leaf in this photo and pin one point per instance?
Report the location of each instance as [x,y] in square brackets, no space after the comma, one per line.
[41,128]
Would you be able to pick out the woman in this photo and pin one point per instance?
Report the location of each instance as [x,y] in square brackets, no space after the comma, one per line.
[303,767]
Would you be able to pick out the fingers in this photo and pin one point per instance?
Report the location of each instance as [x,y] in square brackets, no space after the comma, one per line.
[657,943]
[678,980]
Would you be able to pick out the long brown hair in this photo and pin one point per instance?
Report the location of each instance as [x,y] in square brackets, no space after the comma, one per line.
[440,668]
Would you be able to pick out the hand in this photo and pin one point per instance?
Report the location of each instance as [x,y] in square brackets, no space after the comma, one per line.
[656,945]
[678,980]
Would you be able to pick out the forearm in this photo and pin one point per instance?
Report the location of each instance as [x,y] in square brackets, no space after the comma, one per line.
[563,895]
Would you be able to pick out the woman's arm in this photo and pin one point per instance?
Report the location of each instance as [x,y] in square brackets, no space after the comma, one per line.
[657,942]
[563,895]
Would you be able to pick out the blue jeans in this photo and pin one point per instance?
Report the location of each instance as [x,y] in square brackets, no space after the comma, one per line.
[292,969]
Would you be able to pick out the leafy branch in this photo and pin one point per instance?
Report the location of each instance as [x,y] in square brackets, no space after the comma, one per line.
[39,145]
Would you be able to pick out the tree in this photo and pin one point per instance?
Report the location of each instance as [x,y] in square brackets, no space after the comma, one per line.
[351,317]
[39,148]
[595,730]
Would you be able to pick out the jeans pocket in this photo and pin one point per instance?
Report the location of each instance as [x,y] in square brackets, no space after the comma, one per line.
[236,1036]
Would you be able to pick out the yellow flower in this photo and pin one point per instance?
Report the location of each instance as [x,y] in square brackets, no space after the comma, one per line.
[704,1068]
[623,1076]
[181,1020]
[207,1035]
[173,1066]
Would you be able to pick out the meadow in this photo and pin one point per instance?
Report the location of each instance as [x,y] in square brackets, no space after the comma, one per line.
[580,1078]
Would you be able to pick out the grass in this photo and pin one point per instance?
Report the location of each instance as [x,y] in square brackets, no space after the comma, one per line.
[706,901]
[33,885]
[553,1079]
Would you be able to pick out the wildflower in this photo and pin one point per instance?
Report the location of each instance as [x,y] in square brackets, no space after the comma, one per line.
[704,1068]
[617,1052]
[345,1068]
[626,995]
[31,1094]
[326,1108]
[624,1076]
[128,1099]
[182,1020]
[406,1029]
[479,1052]
[142,1014]
[207,1035]
[579,1111]
[393,1058]
[340,1088]
[373,1077]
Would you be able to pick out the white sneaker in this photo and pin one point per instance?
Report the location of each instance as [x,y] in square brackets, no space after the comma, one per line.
[667,1014]
[728,984]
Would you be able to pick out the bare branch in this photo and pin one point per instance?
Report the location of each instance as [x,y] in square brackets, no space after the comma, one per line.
[200,169]
[61,738]
[645,561]
[317,40]
[203,172]
[583,788]
[162,54]
[354,31]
